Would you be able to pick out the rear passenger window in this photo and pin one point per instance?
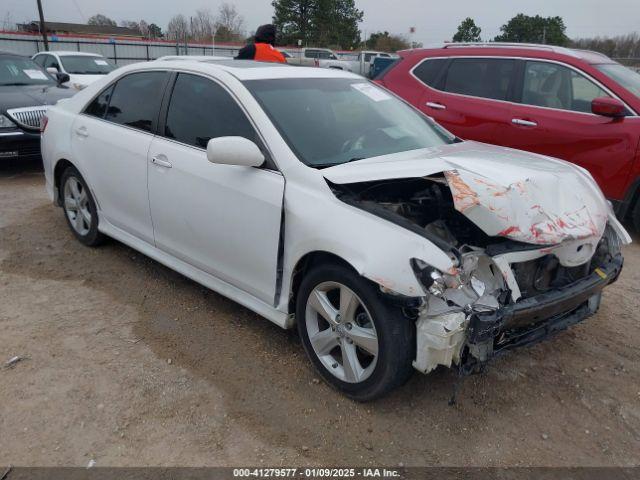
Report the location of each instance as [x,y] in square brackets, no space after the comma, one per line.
[135,101]
[480,77]
[98,107]
[429,70]
[200,110]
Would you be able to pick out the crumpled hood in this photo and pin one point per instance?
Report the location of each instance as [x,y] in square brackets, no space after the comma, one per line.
[509,193]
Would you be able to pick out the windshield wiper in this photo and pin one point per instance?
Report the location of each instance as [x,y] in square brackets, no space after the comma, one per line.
[16,84]
[333,164]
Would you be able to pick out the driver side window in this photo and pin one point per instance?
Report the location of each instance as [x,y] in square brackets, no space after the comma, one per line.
[556,86]
[200,110]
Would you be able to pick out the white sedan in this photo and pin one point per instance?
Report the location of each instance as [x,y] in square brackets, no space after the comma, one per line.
[319,200]
[83,68]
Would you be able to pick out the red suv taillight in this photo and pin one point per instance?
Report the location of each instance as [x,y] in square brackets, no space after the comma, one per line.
[43,123]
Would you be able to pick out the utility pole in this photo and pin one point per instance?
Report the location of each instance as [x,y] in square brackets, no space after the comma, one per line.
[43,26]
[544,35]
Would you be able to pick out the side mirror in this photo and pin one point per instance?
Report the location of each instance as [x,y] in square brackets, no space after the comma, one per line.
[234,151]
[608,107]
[52,70]
[62,77]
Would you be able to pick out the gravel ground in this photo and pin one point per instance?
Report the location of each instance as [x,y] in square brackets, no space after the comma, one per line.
[129,363]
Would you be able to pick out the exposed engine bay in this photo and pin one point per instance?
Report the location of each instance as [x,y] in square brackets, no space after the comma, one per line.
[426,203]
[501,292]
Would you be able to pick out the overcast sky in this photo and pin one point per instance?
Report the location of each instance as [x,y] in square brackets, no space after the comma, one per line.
[435,21]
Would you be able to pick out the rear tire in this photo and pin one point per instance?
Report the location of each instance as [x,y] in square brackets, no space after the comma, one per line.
[359,343]
[79,208]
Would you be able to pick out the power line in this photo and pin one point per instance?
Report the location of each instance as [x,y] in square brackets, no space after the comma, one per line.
[79,11]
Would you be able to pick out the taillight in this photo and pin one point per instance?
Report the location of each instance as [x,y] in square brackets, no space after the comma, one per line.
[43,123]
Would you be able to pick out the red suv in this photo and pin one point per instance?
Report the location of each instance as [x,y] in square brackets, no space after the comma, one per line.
[576,105]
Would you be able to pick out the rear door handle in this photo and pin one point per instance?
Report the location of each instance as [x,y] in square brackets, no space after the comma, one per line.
[524,123]
[161,162]
[82,132]
[436,106]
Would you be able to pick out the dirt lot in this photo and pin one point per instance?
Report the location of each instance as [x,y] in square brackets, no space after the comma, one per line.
[130,364]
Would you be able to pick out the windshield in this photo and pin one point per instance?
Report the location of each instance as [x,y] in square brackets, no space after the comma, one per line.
[84,65]
[331,121]
[622,75]
[22,71]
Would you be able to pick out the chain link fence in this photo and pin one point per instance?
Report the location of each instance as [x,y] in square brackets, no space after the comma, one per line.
[121,51]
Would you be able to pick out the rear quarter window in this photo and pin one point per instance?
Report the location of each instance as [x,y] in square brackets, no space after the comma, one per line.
[98,108]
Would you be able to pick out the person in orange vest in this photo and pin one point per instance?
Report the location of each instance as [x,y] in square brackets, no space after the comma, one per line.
[262,49]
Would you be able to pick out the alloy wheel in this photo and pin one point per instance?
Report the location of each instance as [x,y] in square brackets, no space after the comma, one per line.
[341,332]
[76,206]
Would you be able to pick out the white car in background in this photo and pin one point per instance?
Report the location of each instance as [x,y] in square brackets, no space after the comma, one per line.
[315,198]
[316,57]
[362,64]
[83,68]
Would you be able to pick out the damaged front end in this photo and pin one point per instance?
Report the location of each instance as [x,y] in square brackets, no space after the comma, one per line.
[512,282]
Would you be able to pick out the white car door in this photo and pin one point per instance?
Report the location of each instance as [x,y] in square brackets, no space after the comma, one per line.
[112,139]
[222,219]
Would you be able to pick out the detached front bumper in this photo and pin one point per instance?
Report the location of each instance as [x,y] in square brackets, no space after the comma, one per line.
[534,319]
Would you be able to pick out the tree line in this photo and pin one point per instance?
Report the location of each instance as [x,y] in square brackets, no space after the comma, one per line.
[335,24]
[519,29]
[551,30]
[226,25]
[624,48]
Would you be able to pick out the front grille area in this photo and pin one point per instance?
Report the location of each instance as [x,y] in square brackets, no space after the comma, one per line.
[543,274]
[28,117]
[19,149]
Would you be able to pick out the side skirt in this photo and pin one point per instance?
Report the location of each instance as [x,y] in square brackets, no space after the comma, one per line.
[223,288]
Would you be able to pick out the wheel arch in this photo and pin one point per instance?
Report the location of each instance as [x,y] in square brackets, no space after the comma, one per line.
[60,167]
[58,170]
[307,262]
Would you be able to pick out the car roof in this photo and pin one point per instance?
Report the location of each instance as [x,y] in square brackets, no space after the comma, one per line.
[508,49]
[198,58]
[68,53]
[249,69]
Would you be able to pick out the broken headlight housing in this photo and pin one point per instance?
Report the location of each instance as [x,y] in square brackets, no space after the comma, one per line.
[476,285]
[433,280]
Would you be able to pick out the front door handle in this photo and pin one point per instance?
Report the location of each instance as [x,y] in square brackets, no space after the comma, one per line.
[436,106]
[82,132]
[524,123]
[161,162]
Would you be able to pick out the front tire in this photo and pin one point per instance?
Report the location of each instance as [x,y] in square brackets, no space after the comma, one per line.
[79,208]
[359,343]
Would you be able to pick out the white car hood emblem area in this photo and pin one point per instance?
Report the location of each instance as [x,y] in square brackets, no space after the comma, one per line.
[508,193]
